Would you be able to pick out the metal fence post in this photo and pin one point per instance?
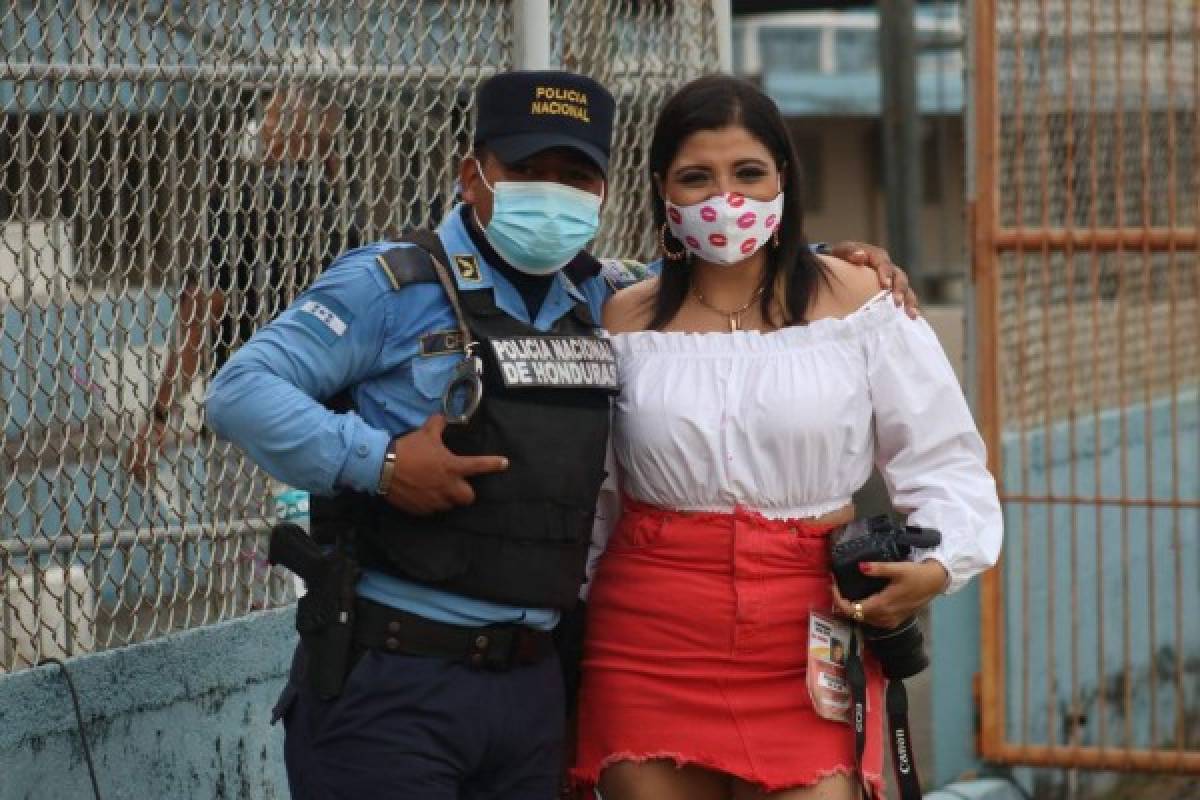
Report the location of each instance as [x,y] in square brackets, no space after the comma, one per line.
[901,134]
[532,34]
[723,18]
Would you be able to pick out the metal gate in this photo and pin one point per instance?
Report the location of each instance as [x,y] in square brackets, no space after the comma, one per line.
[1087,330]
[171,173]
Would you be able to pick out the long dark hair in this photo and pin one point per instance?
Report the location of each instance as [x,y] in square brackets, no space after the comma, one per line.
[712,103]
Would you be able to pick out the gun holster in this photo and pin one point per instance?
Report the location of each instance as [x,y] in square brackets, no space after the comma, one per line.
[325,614]
[325,622]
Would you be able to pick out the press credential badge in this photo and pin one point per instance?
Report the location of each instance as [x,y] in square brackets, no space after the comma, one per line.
[828,646]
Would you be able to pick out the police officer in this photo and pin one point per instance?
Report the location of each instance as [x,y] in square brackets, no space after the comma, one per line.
[450,396]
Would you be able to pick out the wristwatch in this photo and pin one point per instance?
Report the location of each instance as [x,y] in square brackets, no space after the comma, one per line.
[385,473]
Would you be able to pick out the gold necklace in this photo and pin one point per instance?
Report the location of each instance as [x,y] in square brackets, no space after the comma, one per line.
[735,316]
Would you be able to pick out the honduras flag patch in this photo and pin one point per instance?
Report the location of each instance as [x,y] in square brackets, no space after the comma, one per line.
[325,317]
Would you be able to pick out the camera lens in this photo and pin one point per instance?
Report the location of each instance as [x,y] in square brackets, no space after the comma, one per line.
[901,650]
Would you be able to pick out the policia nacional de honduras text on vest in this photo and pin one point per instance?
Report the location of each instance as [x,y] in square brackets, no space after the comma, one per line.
[545,406]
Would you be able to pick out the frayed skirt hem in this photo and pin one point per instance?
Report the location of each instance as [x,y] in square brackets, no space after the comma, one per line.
[587,778]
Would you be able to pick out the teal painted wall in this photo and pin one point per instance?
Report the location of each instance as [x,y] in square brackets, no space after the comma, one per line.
[184,716]
[954,635]
[1128,587]
[1107,569]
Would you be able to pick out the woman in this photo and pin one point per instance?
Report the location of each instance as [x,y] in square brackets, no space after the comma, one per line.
[759,382]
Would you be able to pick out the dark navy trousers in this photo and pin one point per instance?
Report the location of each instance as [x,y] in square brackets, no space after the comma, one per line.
[426,729]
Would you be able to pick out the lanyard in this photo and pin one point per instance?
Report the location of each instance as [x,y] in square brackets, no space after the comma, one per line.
[899,735]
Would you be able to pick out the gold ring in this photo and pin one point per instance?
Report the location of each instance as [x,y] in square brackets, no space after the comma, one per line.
[858,612]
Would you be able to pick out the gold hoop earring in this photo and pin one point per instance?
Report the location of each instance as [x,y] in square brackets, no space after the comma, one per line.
[666,251]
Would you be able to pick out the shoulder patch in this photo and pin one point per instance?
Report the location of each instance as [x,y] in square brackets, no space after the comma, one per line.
[406,264]
[622,272]
[325,317]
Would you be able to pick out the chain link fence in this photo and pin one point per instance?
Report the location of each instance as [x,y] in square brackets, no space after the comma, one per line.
[1088,305]
[641,56]
[171,174]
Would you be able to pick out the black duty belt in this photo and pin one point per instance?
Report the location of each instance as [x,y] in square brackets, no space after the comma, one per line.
[494,647]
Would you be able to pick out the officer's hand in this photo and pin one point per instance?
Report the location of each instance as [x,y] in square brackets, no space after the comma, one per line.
[890,276]
[428,477]
[911,586]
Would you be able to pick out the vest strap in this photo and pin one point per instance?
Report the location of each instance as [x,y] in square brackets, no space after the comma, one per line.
[430,246]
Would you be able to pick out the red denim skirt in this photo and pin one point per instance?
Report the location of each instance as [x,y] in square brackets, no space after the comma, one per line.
[696,651]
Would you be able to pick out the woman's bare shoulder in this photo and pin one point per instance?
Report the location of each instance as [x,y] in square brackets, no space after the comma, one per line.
[849,288]
[631,309]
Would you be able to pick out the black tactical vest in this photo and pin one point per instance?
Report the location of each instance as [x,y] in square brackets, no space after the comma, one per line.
[524,541]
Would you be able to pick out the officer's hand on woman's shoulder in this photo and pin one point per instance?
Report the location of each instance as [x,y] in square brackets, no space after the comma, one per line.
[890,275]
[428,477]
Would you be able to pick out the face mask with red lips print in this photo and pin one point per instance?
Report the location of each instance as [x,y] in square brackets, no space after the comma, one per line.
[726,228]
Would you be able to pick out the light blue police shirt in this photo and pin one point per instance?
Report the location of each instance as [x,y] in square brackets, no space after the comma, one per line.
[350,329]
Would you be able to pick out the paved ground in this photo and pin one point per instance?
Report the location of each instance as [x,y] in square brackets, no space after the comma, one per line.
[1155,787]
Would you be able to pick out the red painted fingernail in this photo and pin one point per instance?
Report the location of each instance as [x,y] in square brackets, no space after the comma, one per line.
[866,568]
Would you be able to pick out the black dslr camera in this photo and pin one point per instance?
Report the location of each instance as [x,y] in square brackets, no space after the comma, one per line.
[900,650]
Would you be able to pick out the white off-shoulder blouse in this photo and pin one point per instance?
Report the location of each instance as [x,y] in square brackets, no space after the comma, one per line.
[788,423]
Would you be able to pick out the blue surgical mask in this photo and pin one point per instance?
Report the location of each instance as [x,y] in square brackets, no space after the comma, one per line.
[539,226]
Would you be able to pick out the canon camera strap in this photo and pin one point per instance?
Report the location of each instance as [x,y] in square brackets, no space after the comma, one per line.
[904,765]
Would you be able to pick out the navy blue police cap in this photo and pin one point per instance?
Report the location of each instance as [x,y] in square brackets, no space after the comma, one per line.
[523,113]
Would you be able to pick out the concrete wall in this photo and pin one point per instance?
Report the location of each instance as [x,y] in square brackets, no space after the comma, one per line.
[185,716]
[850,203]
